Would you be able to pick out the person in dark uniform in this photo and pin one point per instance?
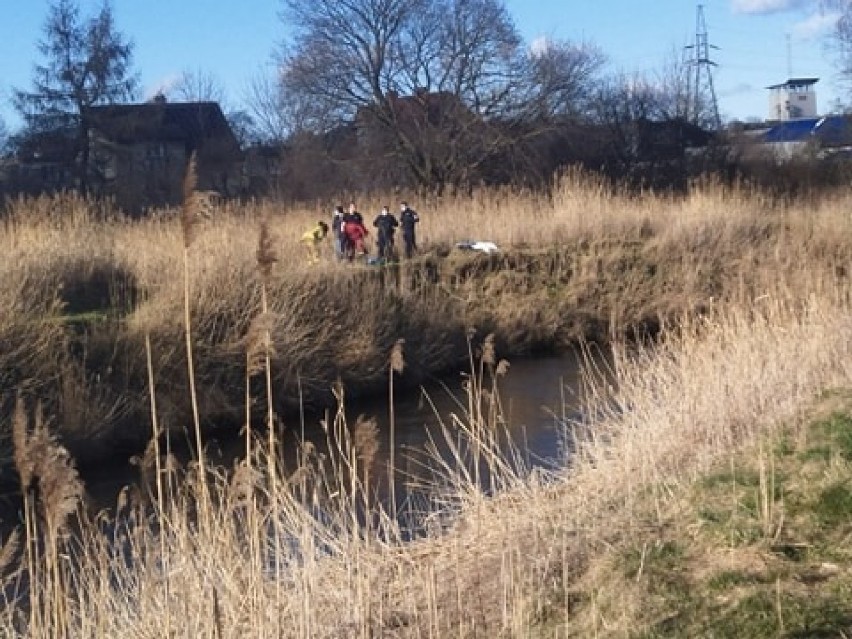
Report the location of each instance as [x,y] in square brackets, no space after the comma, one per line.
[337,231]
[386,223]
[408,218]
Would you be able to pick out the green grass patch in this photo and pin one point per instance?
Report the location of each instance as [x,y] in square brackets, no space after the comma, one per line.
[768,614]
[661,555]
[783,567]
[661,565]
[833,506]
[785,446]
[837,429]
[728,579]
[816,454]
[736,529]
[713,516]
[727,479]
[87,317]
[761,614]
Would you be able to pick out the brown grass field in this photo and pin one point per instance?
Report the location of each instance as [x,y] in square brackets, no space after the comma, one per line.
[747,299]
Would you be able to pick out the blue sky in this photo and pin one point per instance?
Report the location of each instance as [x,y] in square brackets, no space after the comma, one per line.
[233,41]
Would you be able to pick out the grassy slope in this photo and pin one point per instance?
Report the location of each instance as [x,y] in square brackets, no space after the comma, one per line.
[758,546]
[616,545]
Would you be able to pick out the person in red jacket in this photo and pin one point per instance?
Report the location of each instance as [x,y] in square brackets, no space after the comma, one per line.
[355,232]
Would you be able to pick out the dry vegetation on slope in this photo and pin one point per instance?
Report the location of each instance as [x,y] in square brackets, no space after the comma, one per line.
[586,551]
[84,288]
[256,553]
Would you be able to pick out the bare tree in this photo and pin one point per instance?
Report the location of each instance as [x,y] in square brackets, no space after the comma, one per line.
[204,86]
[4,138]
[644,130]
[840,40]
[242,125]
[623,104]
[546,127]
[198,86]
[673,92]
[86,62]
[431,85]
[561,78]
[275,112]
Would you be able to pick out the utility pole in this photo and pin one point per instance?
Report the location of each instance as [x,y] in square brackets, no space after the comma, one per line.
[789,57]
[700,79]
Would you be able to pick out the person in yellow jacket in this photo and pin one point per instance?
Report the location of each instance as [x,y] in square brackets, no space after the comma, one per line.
[311,240]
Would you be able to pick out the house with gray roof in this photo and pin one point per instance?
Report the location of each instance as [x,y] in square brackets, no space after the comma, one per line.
[139,152]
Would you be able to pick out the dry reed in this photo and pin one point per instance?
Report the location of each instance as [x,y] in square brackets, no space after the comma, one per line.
[189,219]
[665,423]
[316,555]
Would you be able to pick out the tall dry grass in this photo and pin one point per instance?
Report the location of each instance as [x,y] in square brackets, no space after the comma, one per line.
[584,263]
[498,547]
[318,555]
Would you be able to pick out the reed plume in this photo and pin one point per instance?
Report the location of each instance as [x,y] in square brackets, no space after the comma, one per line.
[25,465]
[51,488]
[365,440]
[147,464]
[191,207]
[9,550]
[20,443]
[266,254]
[60,487]
[244,482]
[397,365]
[365,446]
[489,355]
[260,348]
[259,343]
[189,218]
[154,447]
[397,358]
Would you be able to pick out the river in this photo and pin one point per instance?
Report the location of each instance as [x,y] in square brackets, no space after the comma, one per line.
[537,395]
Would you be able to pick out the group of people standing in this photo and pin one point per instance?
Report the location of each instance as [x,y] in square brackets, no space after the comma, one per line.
[349,232]
[387,224]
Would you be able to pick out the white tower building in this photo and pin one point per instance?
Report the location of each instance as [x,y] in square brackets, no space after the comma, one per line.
[793,99]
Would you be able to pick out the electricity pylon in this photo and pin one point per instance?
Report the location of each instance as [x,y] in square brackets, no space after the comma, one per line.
[700,92]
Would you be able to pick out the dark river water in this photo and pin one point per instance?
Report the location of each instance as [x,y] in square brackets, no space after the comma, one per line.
[536,395]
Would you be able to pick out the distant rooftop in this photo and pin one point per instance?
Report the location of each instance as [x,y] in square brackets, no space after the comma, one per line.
[795,82]
[831,131]
[163,121]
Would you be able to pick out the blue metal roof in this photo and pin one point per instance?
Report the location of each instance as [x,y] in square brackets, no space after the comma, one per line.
[831,130]
[834,130]
[791,131]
